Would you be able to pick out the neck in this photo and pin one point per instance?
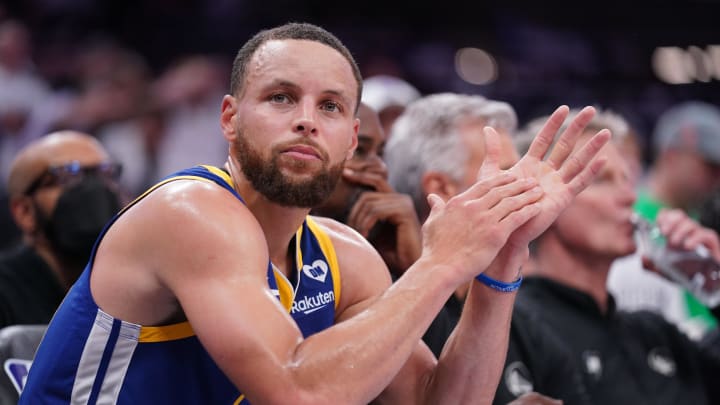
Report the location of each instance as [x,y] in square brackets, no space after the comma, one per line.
[575,269]
[279,223]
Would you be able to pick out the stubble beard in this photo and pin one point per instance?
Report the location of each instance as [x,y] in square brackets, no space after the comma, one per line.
[268,179]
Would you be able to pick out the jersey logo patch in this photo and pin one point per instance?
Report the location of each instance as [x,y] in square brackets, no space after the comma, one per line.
[593,364]
[517,379]
[317,271]
[661,361]
[17,370]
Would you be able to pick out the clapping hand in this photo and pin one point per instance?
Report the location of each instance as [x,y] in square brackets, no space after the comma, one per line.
[562,175]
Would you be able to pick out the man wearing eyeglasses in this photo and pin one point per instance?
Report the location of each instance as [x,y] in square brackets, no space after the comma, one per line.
[62,191]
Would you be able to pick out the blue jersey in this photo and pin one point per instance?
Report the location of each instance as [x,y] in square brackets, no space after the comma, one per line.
[90,357]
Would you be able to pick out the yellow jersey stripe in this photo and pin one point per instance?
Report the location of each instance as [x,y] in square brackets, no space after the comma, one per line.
[220,173]
[329,251]
[165,333]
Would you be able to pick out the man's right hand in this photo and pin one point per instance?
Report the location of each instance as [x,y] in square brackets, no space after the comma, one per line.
[468,230]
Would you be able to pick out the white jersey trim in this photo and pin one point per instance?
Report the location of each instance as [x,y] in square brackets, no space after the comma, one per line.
[92,355]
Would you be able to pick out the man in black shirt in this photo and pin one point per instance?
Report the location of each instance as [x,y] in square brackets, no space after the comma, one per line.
[624,358]
[62,192]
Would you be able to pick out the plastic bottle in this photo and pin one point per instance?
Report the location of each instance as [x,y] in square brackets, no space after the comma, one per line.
[694,269]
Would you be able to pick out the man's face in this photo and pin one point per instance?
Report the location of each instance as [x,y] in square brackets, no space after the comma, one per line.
[695,177]
[294,125]
[66,192]
[368,158]
[86,154]
[597,223]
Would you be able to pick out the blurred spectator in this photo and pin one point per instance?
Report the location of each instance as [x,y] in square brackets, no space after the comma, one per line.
[62,192]
[625,358]
[112,86]
[189,92]
[388,95]
[21,92]
[687,162]
[685,172]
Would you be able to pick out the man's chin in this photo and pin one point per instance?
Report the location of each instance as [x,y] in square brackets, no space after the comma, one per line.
[297,176]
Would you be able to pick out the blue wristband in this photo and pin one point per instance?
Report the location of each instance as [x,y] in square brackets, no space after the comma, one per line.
[499,285]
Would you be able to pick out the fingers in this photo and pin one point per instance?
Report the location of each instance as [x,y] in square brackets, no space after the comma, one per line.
[705,237]
[675,225]
[436,204]
[683,232]
[368,178]
[568,138]
[543,140]
[579,160]
[372,207]
[491,161]
[484,185]
[510,193]
[518,218]
[509,205]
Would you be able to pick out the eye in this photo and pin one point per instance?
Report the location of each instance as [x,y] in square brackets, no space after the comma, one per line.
[280,98]
[331,106]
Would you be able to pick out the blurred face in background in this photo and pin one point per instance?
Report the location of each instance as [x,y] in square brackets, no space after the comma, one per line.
[694,177]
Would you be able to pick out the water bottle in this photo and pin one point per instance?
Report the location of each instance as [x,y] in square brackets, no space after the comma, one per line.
[695,269]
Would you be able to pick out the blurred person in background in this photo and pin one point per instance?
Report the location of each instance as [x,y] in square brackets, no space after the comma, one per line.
[364,200]
[389,96]
[188,93]
[62,192]
[437,147]
[624,357]
[685,171]
[21,91]
[111,83]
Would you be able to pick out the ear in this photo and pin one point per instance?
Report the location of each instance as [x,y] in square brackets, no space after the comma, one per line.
[228,113]
[23,213]
[440,184]
[354,140]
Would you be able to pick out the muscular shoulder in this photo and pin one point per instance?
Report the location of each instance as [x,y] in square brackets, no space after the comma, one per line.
[193,209]
[182,234]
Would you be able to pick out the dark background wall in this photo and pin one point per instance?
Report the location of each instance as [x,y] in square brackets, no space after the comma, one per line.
[547,52]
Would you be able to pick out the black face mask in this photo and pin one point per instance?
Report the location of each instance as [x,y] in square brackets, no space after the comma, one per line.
[81,212]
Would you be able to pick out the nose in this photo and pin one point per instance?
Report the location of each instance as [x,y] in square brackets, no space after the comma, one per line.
[627,194]
[305,123]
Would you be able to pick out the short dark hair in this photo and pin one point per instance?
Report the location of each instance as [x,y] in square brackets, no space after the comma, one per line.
[299,31]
